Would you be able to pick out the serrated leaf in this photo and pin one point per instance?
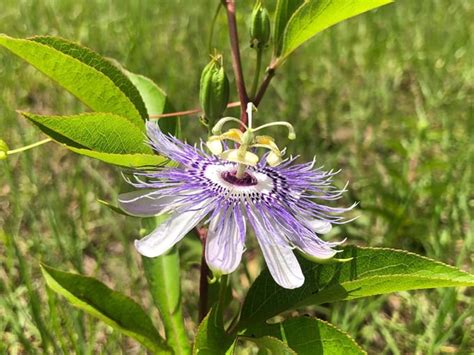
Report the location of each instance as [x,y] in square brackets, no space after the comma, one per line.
[138,160]
[268,345]
[283,12]
[156,101]
[307,335]
[113,308]
[317,15]
[211,338]
[372,271]
[101,132]
[83,73]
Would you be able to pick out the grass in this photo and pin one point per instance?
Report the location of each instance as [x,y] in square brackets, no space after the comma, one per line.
[386,97]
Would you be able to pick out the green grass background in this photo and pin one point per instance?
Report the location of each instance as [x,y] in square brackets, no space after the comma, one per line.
[386,97]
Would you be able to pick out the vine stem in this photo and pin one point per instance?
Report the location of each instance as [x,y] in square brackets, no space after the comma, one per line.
[187,112]
[22,149]
[269,74]
[236,61]
[203,280]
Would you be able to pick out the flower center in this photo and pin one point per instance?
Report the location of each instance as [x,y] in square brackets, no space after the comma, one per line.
[231,178]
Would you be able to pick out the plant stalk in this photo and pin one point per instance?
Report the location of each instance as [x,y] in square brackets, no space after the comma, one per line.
[203,281]
[236,61]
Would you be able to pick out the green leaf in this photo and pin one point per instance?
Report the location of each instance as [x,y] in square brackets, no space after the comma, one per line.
[317,15]
[156,101]
[82,72]
[101,132]
[164,280]
[284,10]
[271,346]
[211,338]
[114,308]
[372,271]
[307,335]
[139,160]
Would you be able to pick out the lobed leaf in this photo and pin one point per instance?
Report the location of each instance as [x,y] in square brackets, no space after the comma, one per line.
[317,15]
[114,308]
[372,271]
[307,335]
[82,72]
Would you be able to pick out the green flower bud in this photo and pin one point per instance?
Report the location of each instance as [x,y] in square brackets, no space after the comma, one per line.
[259,26]
[214,91]
[3,150]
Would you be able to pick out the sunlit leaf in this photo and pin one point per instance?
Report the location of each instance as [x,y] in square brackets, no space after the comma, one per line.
[137,160]
[372,271]
[82,72]
[317,15]
[156,101]
[101,132]
[284,10]
[113,308]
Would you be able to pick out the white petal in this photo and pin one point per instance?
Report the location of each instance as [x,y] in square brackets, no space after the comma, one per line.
[170,232]
[144,203]
[225,241]
[280,259]
[319,226]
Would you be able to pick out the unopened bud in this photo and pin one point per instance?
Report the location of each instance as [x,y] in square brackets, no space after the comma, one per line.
[214,91]
[3,150]
[259,26]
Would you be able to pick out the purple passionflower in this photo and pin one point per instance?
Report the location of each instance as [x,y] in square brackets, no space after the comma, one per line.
[280,203]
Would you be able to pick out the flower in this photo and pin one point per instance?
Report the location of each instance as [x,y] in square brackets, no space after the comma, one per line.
[280,203]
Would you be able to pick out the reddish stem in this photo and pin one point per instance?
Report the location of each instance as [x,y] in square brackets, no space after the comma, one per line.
[269,74]
[187,112]
[236,61]
[203,282]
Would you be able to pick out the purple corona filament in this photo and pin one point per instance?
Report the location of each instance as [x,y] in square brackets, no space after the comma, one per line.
[282,204]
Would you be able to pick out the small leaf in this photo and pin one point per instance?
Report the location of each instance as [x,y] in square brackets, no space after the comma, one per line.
[307,335]
[82,72]
[317,15]
[372,271]
[283,12]
[156,101]
[114,308]
[211,338]
[101,132]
